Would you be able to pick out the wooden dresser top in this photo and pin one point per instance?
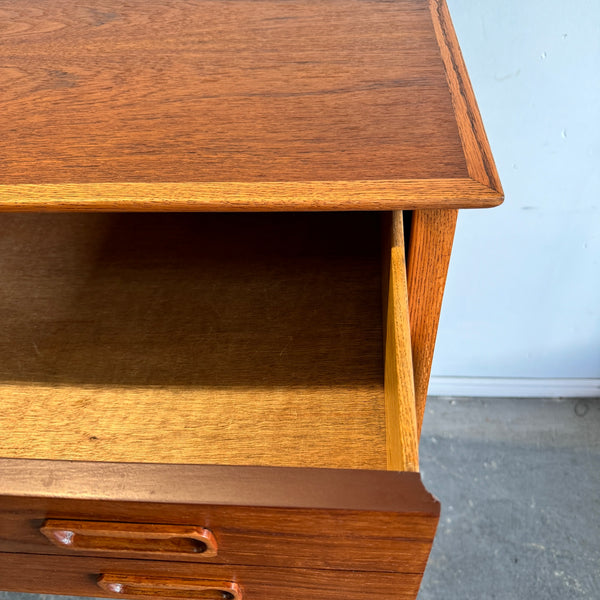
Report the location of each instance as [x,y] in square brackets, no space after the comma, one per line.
[237,105]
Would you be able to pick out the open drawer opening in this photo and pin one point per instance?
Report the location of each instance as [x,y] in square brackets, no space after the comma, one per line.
[234,339]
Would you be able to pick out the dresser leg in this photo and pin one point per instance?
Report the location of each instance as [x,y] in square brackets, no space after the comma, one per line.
[430,245]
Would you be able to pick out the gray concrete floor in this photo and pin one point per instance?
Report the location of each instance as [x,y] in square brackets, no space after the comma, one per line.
[519,482]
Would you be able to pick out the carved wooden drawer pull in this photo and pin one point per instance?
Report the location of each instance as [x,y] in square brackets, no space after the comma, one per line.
[136,586]
[168,541]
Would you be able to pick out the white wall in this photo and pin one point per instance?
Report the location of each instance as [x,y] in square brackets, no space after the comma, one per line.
[523,292]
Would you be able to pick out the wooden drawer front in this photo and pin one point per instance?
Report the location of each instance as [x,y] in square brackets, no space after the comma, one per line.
[81,576]
[305,518]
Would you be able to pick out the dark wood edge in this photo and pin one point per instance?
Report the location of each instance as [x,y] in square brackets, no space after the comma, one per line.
[476,147]
[274,487]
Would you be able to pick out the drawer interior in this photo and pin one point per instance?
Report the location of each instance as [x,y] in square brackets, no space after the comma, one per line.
[250,339]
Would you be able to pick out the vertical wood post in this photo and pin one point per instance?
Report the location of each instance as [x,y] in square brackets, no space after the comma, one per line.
[431,237]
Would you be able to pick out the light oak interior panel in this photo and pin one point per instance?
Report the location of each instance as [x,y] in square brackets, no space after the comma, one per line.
[197,338]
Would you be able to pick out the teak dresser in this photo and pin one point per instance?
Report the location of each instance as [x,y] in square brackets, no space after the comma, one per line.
[225,234]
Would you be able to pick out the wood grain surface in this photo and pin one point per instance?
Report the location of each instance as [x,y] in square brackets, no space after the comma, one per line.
[245,105]
[217,339]
[476,148]
[431,238]
[401,426]
[163,542]
[273,516]
[153,586]
[78,576]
